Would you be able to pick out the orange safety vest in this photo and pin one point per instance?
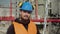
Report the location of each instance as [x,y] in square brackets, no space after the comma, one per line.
[20,29]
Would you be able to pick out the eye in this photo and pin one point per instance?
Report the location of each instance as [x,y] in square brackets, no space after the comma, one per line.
[29,12]
[25,11]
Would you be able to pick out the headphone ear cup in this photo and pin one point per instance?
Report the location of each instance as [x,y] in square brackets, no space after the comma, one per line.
[33,7]
[20,4]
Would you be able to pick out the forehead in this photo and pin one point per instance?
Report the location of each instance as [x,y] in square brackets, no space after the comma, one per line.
[25,11]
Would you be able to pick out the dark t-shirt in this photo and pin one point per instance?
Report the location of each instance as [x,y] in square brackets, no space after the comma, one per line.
[12,31]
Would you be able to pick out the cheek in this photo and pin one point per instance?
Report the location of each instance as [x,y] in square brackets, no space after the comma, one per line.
[29,15]
[22,14]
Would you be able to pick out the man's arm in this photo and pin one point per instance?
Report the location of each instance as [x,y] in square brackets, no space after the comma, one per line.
[10,30]
[37,30]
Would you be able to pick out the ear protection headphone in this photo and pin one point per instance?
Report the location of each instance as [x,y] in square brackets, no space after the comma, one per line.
[21,3]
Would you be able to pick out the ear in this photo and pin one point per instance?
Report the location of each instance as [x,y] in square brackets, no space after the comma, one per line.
[20,12]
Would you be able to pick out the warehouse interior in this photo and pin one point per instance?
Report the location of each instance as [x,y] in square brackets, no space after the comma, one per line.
[46,15]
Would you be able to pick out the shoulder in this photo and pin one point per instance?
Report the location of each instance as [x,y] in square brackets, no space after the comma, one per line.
[32,22]
[11,26]
[11,29]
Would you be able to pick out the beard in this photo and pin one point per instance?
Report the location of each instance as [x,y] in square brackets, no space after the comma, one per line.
[25,21]
[25,17]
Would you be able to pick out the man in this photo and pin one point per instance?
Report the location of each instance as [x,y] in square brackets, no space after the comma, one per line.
[23,24]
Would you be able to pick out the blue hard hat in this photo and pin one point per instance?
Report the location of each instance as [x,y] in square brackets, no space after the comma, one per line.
[26,6]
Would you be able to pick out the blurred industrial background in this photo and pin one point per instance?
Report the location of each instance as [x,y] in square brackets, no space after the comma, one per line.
[46,15]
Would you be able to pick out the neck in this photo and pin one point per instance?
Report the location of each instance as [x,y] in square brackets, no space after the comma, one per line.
[22,21]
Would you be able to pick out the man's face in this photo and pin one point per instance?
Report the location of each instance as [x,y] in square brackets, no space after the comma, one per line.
[25,15]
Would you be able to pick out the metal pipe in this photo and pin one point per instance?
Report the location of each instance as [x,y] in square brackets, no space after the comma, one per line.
[16,9]
[45,18]
[11,8]
[36,9]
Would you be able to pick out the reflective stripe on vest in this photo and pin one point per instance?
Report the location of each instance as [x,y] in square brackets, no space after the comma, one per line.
[20,29]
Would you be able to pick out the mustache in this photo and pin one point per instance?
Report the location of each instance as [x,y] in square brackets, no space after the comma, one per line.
[25,15]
